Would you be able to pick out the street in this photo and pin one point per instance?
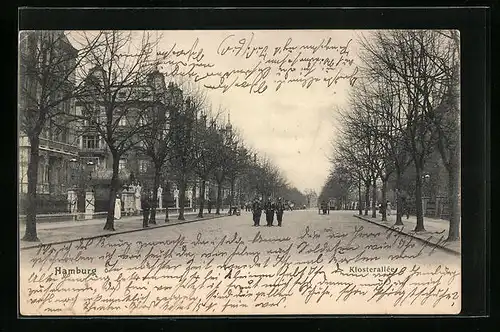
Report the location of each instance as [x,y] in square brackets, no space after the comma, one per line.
[314,263]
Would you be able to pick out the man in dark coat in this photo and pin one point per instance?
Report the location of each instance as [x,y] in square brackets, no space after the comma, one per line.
[209,205]
[403,200]
[269,207]
[256,211]
[280,208]
[146,206]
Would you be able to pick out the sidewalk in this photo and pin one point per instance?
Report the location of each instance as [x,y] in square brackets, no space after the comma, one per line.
[436,230]
[67,231]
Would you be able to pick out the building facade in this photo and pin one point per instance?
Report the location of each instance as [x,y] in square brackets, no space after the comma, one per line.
[129,112]
[58,139]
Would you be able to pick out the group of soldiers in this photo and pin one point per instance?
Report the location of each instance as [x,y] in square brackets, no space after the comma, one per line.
[270,208]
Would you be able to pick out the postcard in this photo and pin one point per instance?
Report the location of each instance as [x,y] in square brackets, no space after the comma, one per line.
[239,172]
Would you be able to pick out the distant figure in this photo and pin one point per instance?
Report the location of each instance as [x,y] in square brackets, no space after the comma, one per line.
[389,208]
[256,211]
[137,194]
[159,194]
[118,207]
[403,199]
[324,206]
[381,208]
[145,210]
[280,208]
[269,208]
[209,205]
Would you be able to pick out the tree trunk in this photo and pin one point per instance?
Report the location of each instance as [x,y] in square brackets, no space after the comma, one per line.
[367,197]
[193,195]
[168,201]
[31,234]
[360,199]
[418,199]
[374,198]
[110,220]
[454,201]
[231,197]
[219,198]
[384,199]
[154,203]
[399,206]
[182,198]
[202,198]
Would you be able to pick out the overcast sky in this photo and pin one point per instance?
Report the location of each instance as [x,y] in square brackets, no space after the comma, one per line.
[293,126]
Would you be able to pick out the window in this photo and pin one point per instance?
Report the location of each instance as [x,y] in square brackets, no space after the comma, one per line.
[90,117]
[91,142]
[64,135]
[46,173]
[142,122]
[123,121]
[122,164]
[143,166]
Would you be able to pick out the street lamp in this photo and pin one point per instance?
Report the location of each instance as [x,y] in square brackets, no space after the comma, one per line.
[426,179]
[73,165]
[89,167]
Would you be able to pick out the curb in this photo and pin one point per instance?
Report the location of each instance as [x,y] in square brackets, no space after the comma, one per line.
[448,250]
[121,232]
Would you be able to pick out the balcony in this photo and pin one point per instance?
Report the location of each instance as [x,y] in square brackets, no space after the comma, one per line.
[52,146]
[94,151]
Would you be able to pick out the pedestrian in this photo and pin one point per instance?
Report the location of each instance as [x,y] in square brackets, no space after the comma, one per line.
[389,207]
[323,206]
[269,207]
[145,204]
[256,211]
[381,208]
[280,208]
[209,205]
[118,207]
[403,199]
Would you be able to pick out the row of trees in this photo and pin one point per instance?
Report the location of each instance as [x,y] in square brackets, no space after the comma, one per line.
[122,98]
[404,109]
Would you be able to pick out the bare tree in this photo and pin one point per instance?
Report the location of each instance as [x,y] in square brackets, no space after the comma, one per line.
[447,124]
[183,150]
[205,155]
[339,184]
[237,163]
[405,56]
[154,139]
[47,85]
[348,150]
[360,130]
[115,75]
[222,154]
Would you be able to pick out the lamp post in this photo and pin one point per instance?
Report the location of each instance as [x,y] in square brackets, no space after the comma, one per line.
[425,179]
[72,197]
[89,193]
[86,171]
[73,166]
